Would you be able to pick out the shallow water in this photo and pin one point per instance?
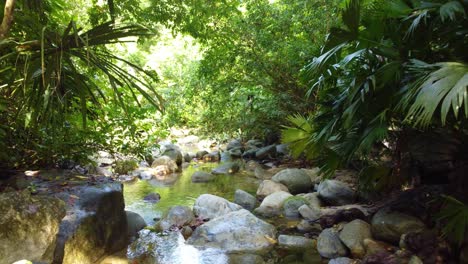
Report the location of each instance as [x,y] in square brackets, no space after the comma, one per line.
[178,189]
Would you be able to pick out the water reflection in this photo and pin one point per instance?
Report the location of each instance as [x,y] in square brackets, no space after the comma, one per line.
[178,189]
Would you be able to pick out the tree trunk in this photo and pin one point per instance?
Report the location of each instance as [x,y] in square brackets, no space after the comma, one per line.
[7,19]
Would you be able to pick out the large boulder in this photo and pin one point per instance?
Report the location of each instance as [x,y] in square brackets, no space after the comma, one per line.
[296,180]
[245,199]
[28,226]
[235,232]
[174,153]
[95,225]
[268,187]
[388,225]
[201,176]
[226,168]
[272,204]
[336,193]
[135,223]
[177,216]
[329,244]
[266,152]
[353,235]
[209,206]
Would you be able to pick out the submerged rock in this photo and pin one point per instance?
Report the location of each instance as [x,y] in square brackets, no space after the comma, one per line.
[28,226]
[201,176]
[177,216]
[226,168]
[209,206]
[152,198]
[235,232]
[297,181]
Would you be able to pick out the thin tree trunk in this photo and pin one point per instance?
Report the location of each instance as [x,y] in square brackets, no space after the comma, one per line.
[7,19]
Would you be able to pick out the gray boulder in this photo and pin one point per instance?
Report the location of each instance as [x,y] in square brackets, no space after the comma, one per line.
[268,187]
[29,226]
[291,206]
[341,260]
[235,232]
[209,206]
[309,213]
[175,154]
[389,225]
[336,193]
[312,199]
[272,204]
[135,223]
[297,243]
[245,199]
[235,152]
[176,216]
[201,176]
[226,168]
[329,244]
[249,154]
[266,152]
[235,143]
[353,235]
[296,180]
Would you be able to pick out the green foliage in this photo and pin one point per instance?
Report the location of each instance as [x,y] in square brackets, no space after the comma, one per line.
[454,219]
[391,66]
[125,166]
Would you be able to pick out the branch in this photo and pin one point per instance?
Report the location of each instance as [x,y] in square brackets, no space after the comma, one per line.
[7,19]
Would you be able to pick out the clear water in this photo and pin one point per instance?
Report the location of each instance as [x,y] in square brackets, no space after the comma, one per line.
[178,189]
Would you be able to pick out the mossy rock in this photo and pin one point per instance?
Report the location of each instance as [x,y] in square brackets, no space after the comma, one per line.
[125,166]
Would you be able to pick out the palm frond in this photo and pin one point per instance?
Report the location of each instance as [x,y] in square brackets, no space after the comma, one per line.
[450,10]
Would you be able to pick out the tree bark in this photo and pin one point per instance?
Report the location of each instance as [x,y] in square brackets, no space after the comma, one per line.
[7,19]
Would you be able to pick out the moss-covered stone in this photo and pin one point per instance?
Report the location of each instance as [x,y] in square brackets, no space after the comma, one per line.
[28,226]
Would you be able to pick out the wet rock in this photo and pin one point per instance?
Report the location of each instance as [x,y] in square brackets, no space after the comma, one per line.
[234,232]
[235,152]
[95,225]
[336,192]
[209,206]
[312,199]
[226,168]
[164,165]
[177,216]
[152,198]
[235,143]
[263,174]
[28,226]
[353,235]
[245,199]
[188,157]
[214,156]
[135,223]
[297,243]
[309,213]
[341,260]
[329,244]
[291,206]
[201,176]
[389,225]
[246,258]
[306,227]
[272,204]
[296,180]
[266,152]
[331,217]
[268,187]
[200,154]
